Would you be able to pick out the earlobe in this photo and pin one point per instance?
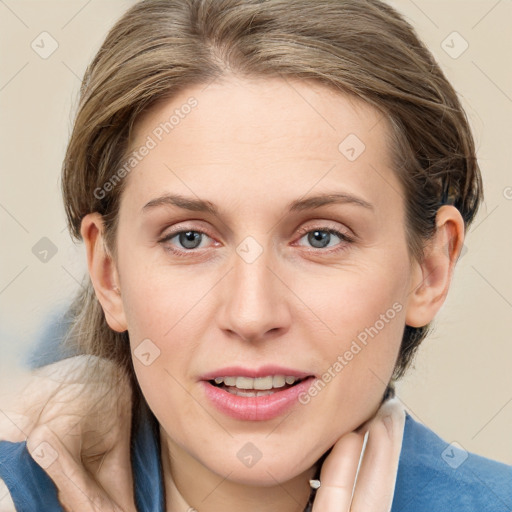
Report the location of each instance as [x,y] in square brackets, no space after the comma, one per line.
[103,271]
[430,280]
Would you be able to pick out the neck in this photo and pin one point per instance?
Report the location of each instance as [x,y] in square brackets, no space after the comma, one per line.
[192,487]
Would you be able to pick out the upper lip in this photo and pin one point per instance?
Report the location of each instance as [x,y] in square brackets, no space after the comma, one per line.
[263,371]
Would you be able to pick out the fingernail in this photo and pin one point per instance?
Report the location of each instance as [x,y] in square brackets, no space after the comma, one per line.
[314,484]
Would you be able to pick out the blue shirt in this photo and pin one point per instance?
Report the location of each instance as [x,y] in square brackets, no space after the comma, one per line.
[433,476]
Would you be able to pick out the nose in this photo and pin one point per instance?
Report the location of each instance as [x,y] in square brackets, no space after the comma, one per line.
[255,299]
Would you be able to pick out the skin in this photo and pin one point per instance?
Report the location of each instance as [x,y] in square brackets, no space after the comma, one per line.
[251,147]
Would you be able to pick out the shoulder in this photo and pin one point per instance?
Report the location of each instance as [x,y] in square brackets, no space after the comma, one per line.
[436,475]
[28,486]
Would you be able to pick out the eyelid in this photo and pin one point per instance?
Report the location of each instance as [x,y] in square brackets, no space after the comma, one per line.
[182,229]
[323,226]
[327,226]
[345,240]
[184,225]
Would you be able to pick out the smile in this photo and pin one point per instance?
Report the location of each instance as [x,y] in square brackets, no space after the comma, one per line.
[250,400]
[261,385]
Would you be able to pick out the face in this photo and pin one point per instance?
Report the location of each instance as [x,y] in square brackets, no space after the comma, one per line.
[266,278]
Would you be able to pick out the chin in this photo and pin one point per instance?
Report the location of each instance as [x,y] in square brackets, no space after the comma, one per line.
[263,471]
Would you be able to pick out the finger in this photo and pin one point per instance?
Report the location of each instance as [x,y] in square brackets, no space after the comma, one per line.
[338,475]
[113,471]
[76,490]
[375,483]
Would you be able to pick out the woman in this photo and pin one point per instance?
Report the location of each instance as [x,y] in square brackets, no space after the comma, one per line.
[273,196]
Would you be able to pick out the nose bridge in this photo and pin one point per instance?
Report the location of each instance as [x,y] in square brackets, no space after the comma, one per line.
[254,301]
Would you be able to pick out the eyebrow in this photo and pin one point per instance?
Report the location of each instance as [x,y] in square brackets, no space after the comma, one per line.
[312,202]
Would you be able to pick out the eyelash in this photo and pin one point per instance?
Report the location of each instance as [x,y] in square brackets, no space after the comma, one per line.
[303,231]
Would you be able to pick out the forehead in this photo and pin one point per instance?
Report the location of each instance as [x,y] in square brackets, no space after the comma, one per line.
[252,134]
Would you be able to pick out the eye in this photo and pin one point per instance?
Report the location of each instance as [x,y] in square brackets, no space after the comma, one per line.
[187,240]
[321,238]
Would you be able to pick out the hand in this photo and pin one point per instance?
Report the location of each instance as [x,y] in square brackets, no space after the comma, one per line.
[375,484]
[77,416]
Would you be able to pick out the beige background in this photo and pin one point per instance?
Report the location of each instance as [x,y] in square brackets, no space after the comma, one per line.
[461,386]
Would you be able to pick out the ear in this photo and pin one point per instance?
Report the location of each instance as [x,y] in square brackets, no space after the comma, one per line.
[431,279]
[103,271]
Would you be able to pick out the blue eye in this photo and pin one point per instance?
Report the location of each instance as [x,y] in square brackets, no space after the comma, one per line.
[319,238]
[189,239]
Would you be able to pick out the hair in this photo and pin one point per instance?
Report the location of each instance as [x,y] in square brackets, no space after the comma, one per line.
[361,48]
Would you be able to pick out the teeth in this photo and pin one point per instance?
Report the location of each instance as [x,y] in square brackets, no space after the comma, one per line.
[230,381]
[241,392]
[260,383]
[279,381]
[248,383]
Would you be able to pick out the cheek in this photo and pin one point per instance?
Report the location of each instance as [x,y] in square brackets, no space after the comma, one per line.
[149,295]
[364,299]
[160,316]
[363,318]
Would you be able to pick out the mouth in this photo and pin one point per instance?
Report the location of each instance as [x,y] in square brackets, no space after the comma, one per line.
[253,387]
[243,399]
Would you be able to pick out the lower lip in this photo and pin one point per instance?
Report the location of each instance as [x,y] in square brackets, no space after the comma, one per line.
[255,408]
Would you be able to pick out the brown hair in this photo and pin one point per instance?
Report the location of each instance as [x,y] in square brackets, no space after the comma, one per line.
[358,47]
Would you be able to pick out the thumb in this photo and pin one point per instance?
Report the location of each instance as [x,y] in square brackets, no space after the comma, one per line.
[77,491]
